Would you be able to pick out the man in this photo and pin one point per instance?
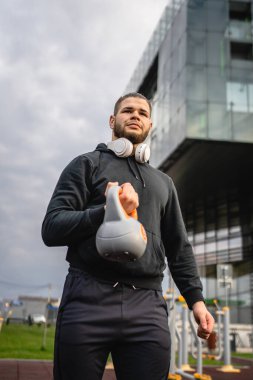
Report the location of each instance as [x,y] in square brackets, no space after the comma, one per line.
[115,307]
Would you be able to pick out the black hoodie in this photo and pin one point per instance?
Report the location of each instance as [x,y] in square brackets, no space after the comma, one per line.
[76,211]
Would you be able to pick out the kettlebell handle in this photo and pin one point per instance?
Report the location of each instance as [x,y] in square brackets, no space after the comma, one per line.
[114,210]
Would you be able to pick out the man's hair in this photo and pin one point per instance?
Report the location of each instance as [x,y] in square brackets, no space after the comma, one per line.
[131,95]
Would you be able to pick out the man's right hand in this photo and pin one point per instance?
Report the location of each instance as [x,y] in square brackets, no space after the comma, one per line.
[127,196]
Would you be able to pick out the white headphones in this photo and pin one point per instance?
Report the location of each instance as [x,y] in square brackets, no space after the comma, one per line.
[122,147]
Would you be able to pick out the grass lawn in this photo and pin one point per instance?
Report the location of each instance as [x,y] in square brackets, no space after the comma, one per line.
[21,341]
[193,361]
[211,362]
[243,355]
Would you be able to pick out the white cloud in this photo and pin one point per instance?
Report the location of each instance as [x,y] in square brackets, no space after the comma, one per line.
[63,63]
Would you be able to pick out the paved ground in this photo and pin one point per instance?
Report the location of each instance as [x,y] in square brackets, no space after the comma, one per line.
[11,369]
[246,367]
[42,370]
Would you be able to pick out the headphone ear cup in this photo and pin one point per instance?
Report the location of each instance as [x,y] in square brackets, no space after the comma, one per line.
[142,153]
[121,147]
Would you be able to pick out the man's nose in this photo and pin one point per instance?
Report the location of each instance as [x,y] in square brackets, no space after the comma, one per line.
[135,115]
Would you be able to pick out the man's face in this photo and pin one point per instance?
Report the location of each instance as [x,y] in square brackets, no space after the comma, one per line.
[132,120]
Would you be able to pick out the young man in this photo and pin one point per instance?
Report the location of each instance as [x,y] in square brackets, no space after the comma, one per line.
[115,307]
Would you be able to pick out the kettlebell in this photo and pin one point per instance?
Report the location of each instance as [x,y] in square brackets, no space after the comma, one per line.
[120,237]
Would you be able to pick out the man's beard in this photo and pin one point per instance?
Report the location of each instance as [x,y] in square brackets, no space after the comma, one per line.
[120,131]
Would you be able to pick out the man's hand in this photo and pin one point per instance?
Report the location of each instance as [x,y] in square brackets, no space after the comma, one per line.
[127,196]
[204,319]
[109,185]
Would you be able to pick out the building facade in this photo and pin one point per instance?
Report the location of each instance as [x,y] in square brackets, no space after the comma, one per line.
[198,71]
[26,306]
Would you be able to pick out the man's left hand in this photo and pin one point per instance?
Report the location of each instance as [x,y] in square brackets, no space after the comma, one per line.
[203,318]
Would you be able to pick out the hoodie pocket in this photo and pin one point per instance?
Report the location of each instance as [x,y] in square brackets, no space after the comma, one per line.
[153,260]
[158,249]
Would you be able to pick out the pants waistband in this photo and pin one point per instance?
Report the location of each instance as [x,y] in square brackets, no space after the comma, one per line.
[114,284]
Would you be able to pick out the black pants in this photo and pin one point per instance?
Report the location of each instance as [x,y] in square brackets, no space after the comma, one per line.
[97,318]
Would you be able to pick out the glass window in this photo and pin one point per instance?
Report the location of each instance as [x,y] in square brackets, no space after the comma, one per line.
[239,31]
[217,15]
[216,50]
[243,283]
[210,234]
[177,129]
[235,229]
[177,93]
[196,119]
[163,112]
[241,50]
[242,126]
[223,232]
[240,10]
[216,87]
[235,242]
[199,237]
[196,83]
[210,247]
[196,44]
[222,245]
[240,72]
[237,97]
[197,15]
[219,122]
[199,249]
[178,26]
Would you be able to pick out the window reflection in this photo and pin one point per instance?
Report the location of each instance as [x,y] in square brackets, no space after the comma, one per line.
[214,229]
[239,31]
[239,97]
[235,229]
[223,232]
[235,242]
[222,245]
[210,234]
[199,237]
[216,234]
[199,249]
[210,247]
[238,296]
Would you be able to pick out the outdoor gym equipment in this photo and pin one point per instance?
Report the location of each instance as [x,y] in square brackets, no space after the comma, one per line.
[182,365]
[121,237]
[225,314]
[224,349]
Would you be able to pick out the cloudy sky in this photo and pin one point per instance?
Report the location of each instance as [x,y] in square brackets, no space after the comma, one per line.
[63,63]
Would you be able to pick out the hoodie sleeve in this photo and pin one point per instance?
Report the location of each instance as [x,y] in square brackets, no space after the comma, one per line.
[67,218]
[179,251]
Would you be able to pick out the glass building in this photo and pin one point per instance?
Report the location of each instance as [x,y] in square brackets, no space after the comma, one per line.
[198,71]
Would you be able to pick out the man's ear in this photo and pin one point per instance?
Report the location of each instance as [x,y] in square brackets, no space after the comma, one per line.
[112,121]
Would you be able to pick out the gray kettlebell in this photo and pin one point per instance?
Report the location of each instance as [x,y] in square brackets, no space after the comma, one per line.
[120,237]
